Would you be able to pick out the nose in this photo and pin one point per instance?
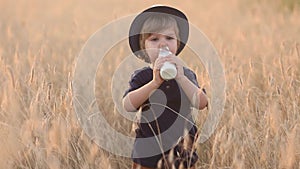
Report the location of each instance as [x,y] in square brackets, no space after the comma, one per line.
[163,43]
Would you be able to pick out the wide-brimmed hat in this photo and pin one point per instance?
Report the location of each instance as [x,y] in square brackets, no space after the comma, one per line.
[137,24]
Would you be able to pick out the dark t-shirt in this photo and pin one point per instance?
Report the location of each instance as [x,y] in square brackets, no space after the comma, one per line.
[167,111]
[161,107]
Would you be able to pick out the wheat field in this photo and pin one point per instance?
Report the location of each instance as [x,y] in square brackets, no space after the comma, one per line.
[259,46]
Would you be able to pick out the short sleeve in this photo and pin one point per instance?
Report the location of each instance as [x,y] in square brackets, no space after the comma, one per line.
[138,79]
[192,77]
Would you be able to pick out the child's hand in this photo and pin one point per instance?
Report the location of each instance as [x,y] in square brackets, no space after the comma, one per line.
[156,69]
[178,63]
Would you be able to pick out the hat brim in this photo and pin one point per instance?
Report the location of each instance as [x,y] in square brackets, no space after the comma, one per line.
[137,24]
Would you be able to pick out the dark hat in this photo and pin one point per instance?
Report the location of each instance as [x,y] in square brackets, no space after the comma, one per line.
[137,24]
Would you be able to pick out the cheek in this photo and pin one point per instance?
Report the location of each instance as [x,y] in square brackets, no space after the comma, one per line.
[152,53]
[150,48]
[174,46]
[149,44]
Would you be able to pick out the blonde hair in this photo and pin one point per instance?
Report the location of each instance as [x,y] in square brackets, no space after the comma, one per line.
[156,23]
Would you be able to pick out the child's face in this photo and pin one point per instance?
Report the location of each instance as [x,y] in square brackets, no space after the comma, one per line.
[158,40]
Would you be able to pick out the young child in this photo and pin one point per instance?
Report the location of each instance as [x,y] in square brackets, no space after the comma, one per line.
[164,106]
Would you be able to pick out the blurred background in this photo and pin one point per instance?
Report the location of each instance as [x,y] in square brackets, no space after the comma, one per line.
[258,42]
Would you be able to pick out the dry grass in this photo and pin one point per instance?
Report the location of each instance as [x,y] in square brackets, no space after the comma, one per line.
[258,42]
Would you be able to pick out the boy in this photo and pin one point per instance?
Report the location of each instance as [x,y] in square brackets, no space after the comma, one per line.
[164,105]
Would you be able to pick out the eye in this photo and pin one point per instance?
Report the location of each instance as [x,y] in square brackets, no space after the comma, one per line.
[154,39]
[170,38]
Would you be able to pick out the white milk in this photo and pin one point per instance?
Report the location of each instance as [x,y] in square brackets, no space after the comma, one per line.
[168,70]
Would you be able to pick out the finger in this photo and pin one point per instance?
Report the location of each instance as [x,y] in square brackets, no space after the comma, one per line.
[174,61]
[158,65]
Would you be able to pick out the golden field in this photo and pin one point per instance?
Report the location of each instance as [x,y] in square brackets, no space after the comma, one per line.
[259,46]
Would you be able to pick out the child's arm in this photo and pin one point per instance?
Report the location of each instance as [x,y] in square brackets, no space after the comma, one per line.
[134,99]
[196,95]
